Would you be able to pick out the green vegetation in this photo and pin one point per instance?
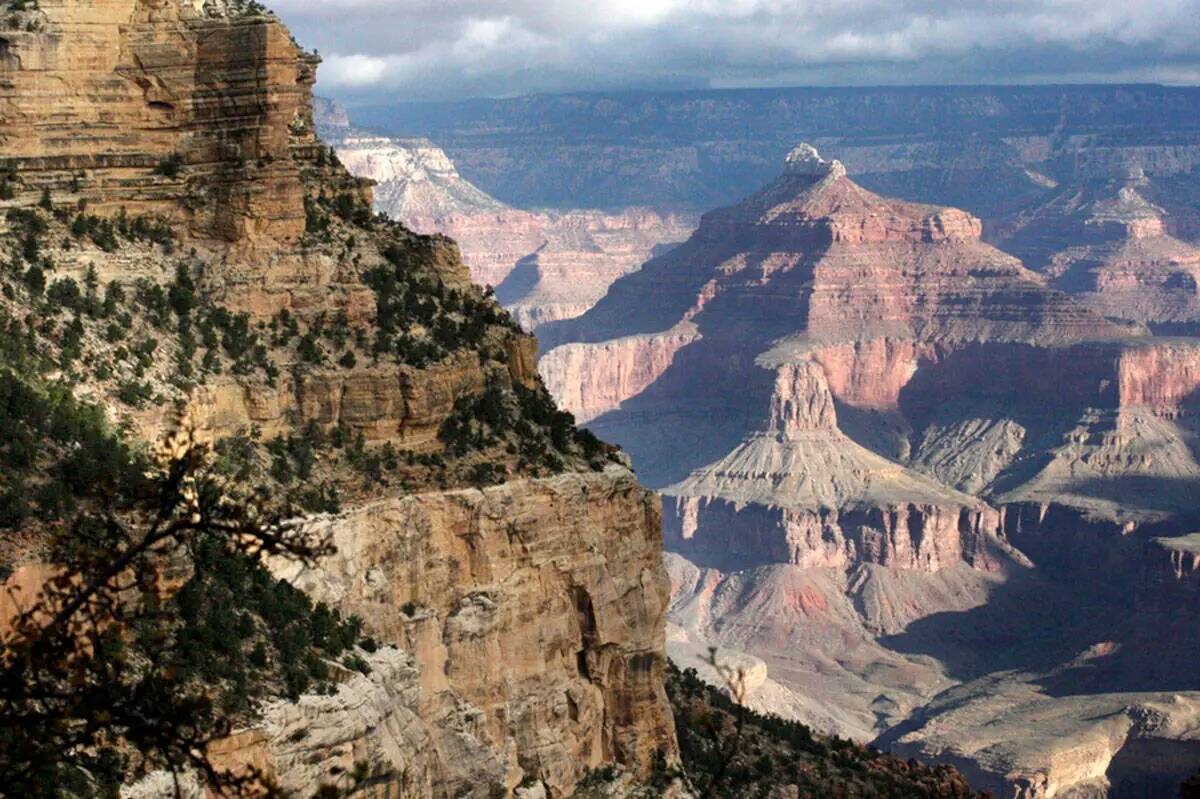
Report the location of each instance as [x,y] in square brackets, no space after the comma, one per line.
[104,232]
[8,180]
[159,339]
[170,166]
[526,423]
[56,453]
[418,320]
[104,679]
[729,751]
[239,8]
[252,635]
[21,15]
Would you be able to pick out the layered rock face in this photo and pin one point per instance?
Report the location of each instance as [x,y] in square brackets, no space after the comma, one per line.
[780,497]
[523,624]
[538,661]
[544,265]
[893,457]
[98,95]
[199,116]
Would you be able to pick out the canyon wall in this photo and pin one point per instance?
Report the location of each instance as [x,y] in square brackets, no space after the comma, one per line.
[1103,239]
[534,612]
[99,95]
[167,147]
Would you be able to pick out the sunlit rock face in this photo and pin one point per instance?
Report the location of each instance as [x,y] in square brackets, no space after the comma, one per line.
[521,626]
[535,616]
[897,462]
[97,95]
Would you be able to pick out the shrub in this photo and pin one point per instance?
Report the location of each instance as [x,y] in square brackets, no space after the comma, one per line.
[170,166]
[134,393]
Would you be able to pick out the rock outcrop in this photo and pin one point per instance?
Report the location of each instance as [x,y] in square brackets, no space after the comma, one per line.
[127,103]
[535,616]
[168,148]
[886,447]
[1008,737]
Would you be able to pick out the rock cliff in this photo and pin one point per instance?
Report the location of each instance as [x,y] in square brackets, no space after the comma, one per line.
[196,253]
[534,612]
[98,95]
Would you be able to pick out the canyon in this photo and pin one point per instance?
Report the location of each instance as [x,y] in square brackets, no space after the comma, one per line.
[545,265]
[916,450]
[932,495]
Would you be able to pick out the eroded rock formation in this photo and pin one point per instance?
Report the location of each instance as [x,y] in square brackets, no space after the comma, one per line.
[892,455]
[1106,241]
[545,265]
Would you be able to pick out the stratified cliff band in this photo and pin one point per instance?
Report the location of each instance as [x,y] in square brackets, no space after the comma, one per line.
[194,250]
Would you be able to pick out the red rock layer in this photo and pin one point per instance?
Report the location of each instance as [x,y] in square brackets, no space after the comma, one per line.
[903,536]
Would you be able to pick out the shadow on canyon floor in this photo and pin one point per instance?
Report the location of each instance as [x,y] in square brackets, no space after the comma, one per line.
[1177,496]
[521,280]
[668,438]
[1073,637]
[1029,623]
[1152,769]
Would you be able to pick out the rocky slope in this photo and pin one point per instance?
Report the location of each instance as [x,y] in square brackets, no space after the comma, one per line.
[897,461]
[183,246]
[782,758]
[544,265]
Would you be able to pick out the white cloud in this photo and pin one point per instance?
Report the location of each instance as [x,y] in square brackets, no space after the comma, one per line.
[353,70]
[457,48]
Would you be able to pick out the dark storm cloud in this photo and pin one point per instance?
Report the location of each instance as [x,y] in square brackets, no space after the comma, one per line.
[415,49]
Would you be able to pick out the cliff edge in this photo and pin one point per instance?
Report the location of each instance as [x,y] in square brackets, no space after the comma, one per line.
[193,250]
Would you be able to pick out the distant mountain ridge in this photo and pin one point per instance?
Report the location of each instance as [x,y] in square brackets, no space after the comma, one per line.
[979,148]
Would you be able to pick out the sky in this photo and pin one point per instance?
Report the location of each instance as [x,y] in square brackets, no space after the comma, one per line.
[400,50]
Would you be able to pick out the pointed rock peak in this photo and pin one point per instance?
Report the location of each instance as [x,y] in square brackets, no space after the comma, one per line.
[1128,206]
[804,160]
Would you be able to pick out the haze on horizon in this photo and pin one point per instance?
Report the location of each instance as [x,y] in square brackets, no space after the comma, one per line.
[401,50]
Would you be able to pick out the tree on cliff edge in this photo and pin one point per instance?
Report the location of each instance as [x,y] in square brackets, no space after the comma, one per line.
[94,690]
